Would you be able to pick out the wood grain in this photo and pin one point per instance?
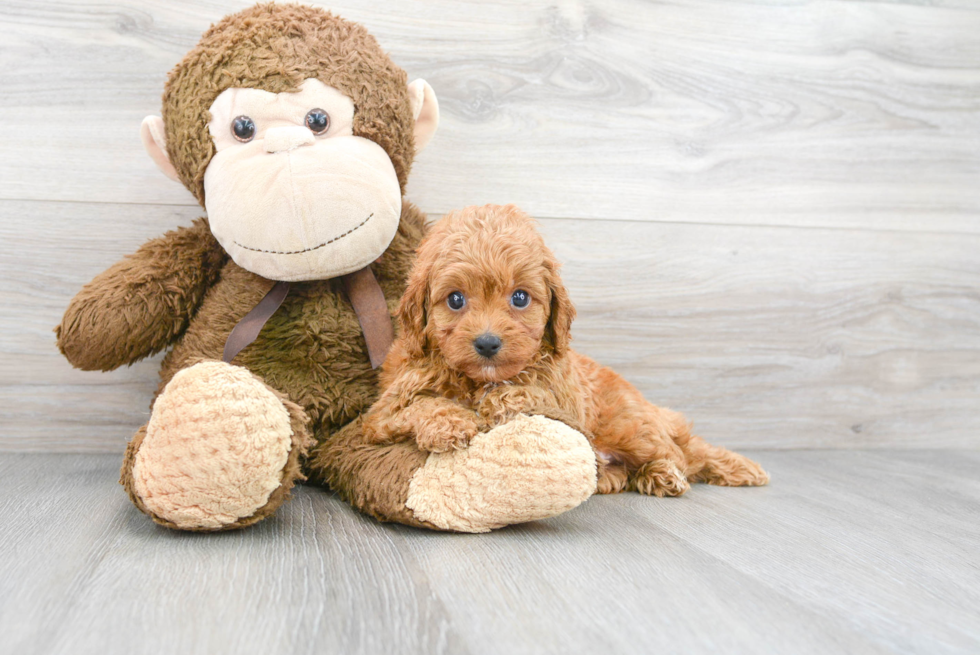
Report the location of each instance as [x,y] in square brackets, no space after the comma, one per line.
[852,114]
[765,337]
[768,211]
[857,552]
[774,337]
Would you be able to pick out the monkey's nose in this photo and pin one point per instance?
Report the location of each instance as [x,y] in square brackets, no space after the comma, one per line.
[487,345]
[284,139]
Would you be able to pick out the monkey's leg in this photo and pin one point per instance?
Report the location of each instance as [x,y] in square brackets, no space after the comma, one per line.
[221,451]
[528,469]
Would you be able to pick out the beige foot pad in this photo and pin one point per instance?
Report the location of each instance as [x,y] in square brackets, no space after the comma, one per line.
[215,448]
[528,469]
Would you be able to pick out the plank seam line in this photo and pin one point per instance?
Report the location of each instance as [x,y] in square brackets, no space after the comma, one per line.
[436,215]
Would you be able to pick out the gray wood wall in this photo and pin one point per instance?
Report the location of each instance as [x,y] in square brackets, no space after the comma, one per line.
[769,211]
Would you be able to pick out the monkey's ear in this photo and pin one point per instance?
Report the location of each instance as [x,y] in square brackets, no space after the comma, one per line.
[425,111]
[155,141]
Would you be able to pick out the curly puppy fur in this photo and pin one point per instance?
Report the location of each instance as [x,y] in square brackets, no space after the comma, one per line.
[439,390]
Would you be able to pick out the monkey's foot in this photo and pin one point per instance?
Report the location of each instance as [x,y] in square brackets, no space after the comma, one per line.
[528,469]
[221,450]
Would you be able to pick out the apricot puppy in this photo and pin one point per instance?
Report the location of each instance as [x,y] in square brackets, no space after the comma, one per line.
[484,336]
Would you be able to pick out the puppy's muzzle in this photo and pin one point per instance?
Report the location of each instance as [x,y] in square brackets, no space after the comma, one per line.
[487,345]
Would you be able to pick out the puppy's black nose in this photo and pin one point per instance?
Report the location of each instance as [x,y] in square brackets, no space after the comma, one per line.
[487,345]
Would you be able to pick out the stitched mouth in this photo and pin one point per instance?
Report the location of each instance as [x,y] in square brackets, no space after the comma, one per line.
[325,243]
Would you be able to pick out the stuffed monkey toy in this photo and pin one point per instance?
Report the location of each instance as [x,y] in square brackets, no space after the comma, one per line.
[296,133]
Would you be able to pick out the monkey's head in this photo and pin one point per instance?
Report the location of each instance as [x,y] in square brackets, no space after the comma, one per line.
[296,132]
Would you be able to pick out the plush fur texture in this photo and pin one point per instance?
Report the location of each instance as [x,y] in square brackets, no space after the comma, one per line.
[142,304]
[216,447]
[196,475]
[531,469]
[527,469]
[181,291]
[439,391]
[274,47]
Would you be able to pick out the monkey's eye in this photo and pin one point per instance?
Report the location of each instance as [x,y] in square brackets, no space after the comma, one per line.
[243,128]
[520,299]
[318,121]
[456,300]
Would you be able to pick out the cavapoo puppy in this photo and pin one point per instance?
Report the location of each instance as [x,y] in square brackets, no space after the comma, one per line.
[484,332]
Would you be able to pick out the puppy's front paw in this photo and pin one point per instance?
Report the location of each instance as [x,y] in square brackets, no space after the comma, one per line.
[444,431]
[660,478]
[505,403]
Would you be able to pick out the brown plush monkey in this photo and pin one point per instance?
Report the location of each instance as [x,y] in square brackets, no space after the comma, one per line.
[296,133]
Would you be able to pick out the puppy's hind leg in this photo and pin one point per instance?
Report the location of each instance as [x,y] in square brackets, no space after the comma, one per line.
[638,434]
[659,478]
[613,477]
[719,466]
[655,465]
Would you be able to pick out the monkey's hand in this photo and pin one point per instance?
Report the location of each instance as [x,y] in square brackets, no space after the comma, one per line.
[436,424]
[143,303]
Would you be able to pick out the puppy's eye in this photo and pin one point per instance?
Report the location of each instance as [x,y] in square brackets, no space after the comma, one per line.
[243,128]
[456,300]
[318,121]
[520,299]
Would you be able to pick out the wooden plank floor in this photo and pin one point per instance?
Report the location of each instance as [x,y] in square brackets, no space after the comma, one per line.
[846,552]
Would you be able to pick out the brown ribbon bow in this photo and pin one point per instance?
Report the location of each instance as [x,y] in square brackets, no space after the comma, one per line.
[365,295]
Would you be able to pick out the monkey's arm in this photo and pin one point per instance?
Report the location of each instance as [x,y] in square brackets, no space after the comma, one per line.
[143,303]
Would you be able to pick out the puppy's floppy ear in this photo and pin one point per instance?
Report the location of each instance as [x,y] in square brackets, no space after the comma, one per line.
[558,332]
[412,309]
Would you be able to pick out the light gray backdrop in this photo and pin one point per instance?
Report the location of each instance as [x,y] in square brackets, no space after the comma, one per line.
[769,212]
